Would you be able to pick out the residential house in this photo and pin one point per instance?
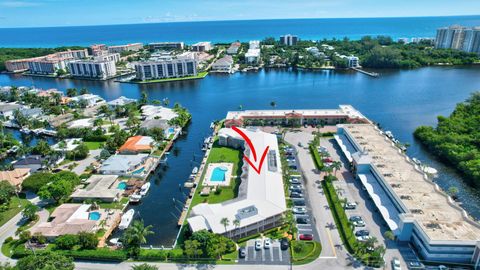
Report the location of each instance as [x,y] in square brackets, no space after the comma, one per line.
[7,109]
[15,177]
[124,164]
[100,187]
[121,101]
[90,99]
[137,144]
[223,64]
[33,162]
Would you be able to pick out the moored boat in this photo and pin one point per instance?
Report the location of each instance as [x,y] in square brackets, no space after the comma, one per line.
[126,219]
[144,189]
[135,198]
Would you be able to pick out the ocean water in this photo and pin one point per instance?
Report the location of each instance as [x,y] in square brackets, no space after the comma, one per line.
[227,31]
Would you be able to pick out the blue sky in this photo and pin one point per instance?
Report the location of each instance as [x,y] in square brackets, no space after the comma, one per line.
[28,13]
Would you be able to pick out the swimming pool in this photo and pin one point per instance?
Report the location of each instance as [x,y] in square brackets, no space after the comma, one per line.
[139,171]
[218,174]
[122,185]
[94,216]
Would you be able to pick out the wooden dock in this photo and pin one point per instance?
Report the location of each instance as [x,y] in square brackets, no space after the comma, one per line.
[371,74]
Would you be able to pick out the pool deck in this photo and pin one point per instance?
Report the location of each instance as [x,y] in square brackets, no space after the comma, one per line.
[208,176]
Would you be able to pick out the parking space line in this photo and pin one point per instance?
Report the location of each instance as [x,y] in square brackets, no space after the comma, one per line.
[271,254]
[331,243]
[246,253]
[263,254]
[280,254]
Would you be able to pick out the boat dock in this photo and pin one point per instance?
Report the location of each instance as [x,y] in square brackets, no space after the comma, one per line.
[196,180]
[371,74]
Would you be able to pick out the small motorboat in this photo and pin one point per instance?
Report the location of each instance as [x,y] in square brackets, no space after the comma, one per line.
[144,189]
[430,171]
[195,170]
[135,198]
[126,219]
[116,242]
[416,161]
[389,134]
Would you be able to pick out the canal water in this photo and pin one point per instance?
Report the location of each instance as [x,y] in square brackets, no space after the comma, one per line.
[398,100]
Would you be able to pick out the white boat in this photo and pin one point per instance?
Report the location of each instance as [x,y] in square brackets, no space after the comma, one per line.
[144,189]
[25,130]
[212,125]
[116,242]
[429,170]
[126,219]
[416,161]
[135,198]
[195,170]
[389,134]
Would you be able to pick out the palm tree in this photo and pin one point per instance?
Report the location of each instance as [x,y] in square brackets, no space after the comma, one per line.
[336,165]
[30,211]
[136,235]
[225,222]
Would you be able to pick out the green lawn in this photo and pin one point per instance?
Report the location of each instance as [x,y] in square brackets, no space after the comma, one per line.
[311,252]
[94,145]
[222,154]
[16,206]
[113,205]
[200,75]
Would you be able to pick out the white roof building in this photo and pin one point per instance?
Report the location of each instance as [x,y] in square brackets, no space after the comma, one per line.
[261,200]
[121,101]
[157,112]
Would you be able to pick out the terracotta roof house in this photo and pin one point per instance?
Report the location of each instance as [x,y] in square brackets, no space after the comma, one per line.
[137,144]
[15,177]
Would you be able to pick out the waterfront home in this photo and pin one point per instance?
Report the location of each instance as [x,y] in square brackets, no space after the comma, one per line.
[260,203]
[233,49]
[160,123]
[157,112]
[73,218]
[89,99]
[31,113]
[121,101]
[15,177]
[344,114]
[223,64]
[70,144]
[33,162]
[7,109]
[104,188]
[49,93]
[124,165]
[137,144]
[81,123]
[412,206]
[203,46]
[252,56]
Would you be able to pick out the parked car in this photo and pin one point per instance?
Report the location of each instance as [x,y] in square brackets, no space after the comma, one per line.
[357,221]
[350,205]
[267,243]
[300,144]
[296,186]
[284,244]
[295,181]
[296,195]
[299,202]
[415,265]
[305,237]
[258,244]
[363,238]
[293,167]
[299,210]
[362,233]
[303,220]
[396,264]
[242,252]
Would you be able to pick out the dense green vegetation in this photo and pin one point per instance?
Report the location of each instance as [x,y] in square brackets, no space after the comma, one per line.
[19,53]
[373,52]
[456,139]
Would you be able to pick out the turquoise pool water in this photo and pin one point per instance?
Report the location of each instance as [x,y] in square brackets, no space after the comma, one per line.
[94,216]
[122,185]
[218,174]
[139,171]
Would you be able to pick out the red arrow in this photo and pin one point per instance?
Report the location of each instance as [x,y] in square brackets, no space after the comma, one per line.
[252,149]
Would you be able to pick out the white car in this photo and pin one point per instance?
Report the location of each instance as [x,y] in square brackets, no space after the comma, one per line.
[258,244]
[363,238]
[396,264]
[299,210]
[267,243]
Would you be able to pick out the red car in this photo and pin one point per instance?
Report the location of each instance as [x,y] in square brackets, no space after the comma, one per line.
[305,237]
[329,160]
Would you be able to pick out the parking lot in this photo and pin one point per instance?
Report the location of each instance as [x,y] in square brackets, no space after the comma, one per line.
[304,221]
[272,255]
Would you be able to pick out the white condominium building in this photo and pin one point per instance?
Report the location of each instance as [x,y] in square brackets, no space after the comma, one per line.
[260,203]
[115,57]
[46,66]
[134,47]
[173,68]
[93,69]
[203,46]
[254,44]
[458,38]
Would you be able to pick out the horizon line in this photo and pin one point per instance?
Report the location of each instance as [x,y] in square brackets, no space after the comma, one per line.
[240,20]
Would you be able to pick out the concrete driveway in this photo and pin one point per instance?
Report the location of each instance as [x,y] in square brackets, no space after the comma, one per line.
[83,164]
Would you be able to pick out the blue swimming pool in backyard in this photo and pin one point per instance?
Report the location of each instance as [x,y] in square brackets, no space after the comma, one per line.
[139,171]
[122,185]
[94,216]
[218,174]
